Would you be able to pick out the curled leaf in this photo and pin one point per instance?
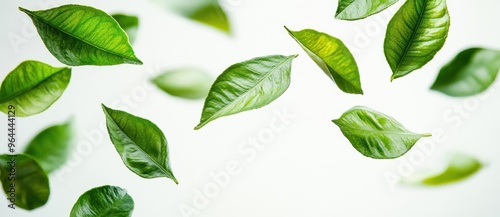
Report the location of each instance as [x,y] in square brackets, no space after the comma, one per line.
[376,135]
[359,9]
[32,87]
[247,85]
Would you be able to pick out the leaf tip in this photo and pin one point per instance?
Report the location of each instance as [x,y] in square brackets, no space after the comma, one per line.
[23,9]
[426,135]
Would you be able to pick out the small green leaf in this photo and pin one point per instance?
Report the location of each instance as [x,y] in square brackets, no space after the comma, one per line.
[51,147]
[128,23]
[211,14]
[471,72]
[459,167]
[376,135]
[140,143]
[32,87]
[31,184]
[247,85]
[359,9]
[80,35]
[104,201]
[332,56]
[415,34]
[187,83]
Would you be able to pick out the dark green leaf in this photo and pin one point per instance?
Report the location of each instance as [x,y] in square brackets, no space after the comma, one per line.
[332,56]
[471,72]
[80,35]
[415,34]
[103,201]
[140,143]
[128,23]
[31,184]
[186,83]
[51,147]
[32,87]
[359,9]
[460,167]
[247,85]
[376,135]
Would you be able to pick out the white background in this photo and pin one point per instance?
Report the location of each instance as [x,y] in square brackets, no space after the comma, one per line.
[309,168]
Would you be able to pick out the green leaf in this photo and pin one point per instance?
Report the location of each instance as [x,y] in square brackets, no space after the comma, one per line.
[80,35]
[32,87]
[415,34]
[104,201]
[471,72]
[376,135]
[359,9]
[140,143]
[51,147]
[128,23]
[31,184]
[332,56]
[247,85]
[460,167]
[211,14]
[187,83]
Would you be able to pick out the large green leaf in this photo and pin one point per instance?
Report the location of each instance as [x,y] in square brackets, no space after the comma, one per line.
[31,184]
[102,201]
[359,9]
[460,167]
[140,143]
[81,35]
[415,34]
[51,147]
[376,135]
[128,23]
[332,56]
[471,72]
[32,87]
[247,85]
[187,83]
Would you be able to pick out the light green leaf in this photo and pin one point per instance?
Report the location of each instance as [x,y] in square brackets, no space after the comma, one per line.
[187,83]
[51,147]
[31,184]
[459,167]
[104,201]
[332,56]
[140,143]
[80,35]
[415,34]
[471,72]
[247,85]
[128,23]
[376,135]
[32,87]
[359,9]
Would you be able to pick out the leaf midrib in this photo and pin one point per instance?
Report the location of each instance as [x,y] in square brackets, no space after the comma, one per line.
[115,204]
[354,130]
[413,35]
[241,96]
[78,38]
[140,148]
[34,87]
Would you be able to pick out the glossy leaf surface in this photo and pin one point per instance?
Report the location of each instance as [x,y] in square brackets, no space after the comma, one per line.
[104,201]
[359,9]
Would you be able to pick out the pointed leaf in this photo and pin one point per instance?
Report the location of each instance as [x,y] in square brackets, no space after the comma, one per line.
[471,72]
[376,135]
[128,23]
[213,15]
[332,56]
[140,143]
[31,184]
[359,9]
[51,147]
[32,87]
[187,83]
[80,35]
[104,201]
[415,34]
[247,85]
